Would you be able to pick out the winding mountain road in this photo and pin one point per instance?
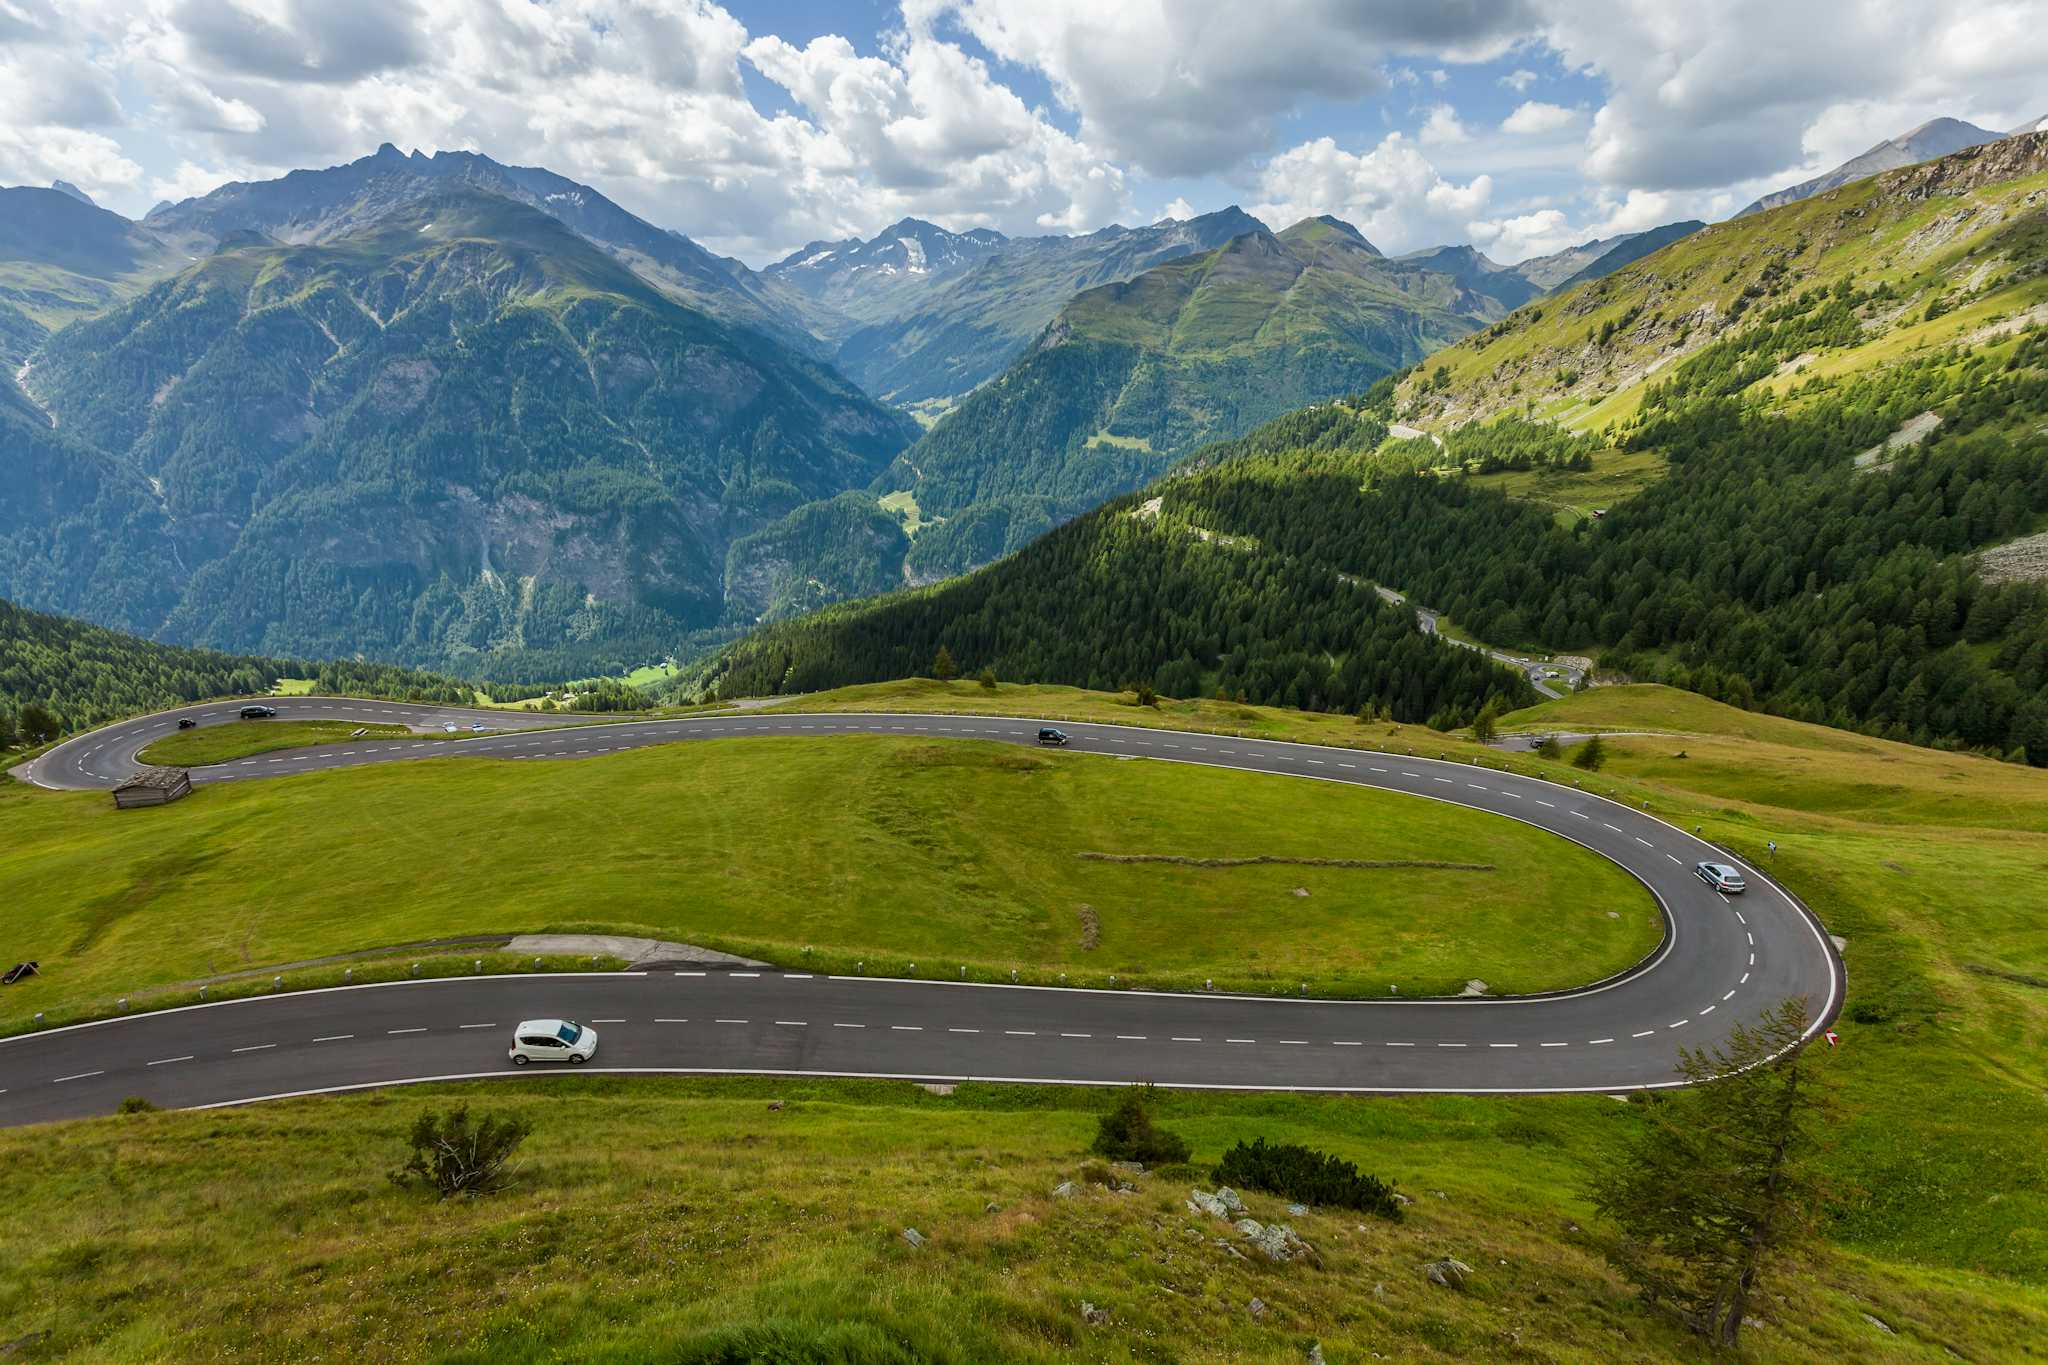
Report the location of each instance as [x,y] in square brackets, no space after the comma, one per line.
[1723,960]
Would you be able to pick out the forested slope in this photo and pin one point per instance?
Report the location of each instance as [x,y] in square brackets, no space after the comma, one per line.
[1132,593]
[69,675]
[1789,561]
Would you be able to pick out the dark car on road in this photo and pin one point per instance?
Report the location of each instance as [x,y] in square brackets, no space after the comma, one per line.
[1048,735]
[186,722]
[258,712]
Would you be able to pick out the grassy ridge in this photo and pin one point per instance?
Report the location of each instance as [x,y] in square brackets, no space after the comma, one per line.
[885,849]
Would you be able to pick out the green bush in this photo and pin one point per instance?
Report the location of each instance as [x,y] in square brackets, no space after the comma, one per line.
[454,1154]
[1591,755]
[1305,1176]
[1126,1134]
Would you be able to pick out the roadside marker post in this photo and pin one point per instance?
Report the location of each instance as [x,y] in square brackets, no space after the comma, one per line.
[1833,1041]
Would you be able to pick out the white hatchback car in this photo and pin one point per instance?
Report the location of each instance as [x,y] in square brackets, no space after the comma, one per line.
[1721,877]
[552,1040]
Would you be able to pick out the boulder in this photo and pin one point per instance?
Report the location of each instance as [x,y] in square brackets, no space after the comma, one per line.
[1223,1204]
[914,1237]
[1277,1242]
[1128,1167]
[1257,1308]
[1093,1316]
[1066,1189]
[1297,1209]
[1315,1354]
[1448,1273]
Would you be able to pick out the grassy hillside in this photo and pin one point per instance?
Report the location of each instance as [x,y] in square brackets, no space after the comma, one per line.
[699,1224]
[1935,255]
[883,849]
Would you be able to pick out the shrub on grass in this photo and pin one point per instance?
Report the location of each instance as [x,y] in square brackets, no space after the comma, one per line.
[1591,755]
[1305,1176]
[454,1154]
[1126,1134]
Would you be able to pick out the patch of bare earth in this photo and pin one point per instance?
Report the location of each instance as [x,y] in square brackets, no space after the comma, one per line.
[2021,561]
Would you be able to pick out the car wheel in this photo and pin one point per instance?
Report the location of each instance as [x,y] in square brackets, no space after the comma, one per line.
[576,1059]
[518,1060]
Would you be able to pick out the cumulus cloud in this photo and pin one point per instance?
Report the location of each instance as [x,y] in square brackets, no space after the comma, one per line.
[1705,95]
[1192,87]
[1180,210]
[1519,80]
[36,154]
[647,99]
[1533,118]
[1391,193]
[1442,129]
[1509,240]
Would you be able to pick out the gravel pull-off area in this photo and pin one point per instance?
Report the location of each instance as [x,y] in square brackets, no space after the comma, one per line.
[2021,561]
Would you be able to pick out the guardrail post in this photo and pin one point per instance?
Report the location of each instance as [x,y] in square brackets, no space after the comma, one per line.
[415,969]
[348,976]
[479,966]
[202,993]
[124,1004]
[277,983]
[39,1018]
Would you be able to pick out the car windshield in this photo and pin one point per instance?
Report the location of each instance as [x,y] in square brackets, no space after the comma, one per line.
[569,1033]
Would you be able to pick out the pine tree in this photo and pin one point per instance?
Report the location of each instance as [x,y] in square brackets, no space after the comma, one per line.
[1719,1189]
[1592,755]
[1487,723]
[943,667]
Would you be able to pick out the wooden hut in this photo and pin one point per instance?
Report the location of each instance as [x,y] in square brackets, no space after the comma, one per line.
[153,787]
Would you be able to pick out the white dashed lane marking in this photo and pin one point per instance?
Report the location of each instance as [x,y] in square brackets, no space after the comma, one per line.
[79,1076]
[166,1061]
[259,1047]
[334,1038]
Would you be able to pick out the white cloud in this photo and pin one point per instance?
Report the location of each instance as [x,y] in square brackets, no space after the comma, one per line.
[643,98]
[1533,118]
[36,154]
[1442,128]
[1509,240]
[1180,210]
[1709,94]
[1391,193]
[1519,80]
[1439,77]
[1192,87]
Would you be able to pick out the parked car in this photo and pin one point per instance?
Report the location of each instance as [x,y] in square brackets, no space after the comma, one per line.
[1721,877]
[258,712]
[186,722]
[552,1040]
[1048,735]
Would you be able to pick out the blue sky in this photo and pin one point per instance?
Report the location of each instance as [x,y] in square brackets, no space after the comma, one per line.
[1520,125]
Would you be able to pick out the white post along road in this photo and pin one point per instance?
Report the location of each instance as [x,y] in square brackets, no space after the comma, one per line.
[1721,962]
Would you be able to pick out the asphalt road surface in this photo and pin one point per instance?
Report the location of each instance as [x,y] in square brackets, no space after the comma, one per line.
[1723,960]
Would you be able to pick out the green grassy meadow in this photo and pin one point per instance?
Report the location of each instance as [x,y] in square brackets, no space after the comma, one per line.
[688,1221]
[886,850]
[220,743]
[685,1220]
